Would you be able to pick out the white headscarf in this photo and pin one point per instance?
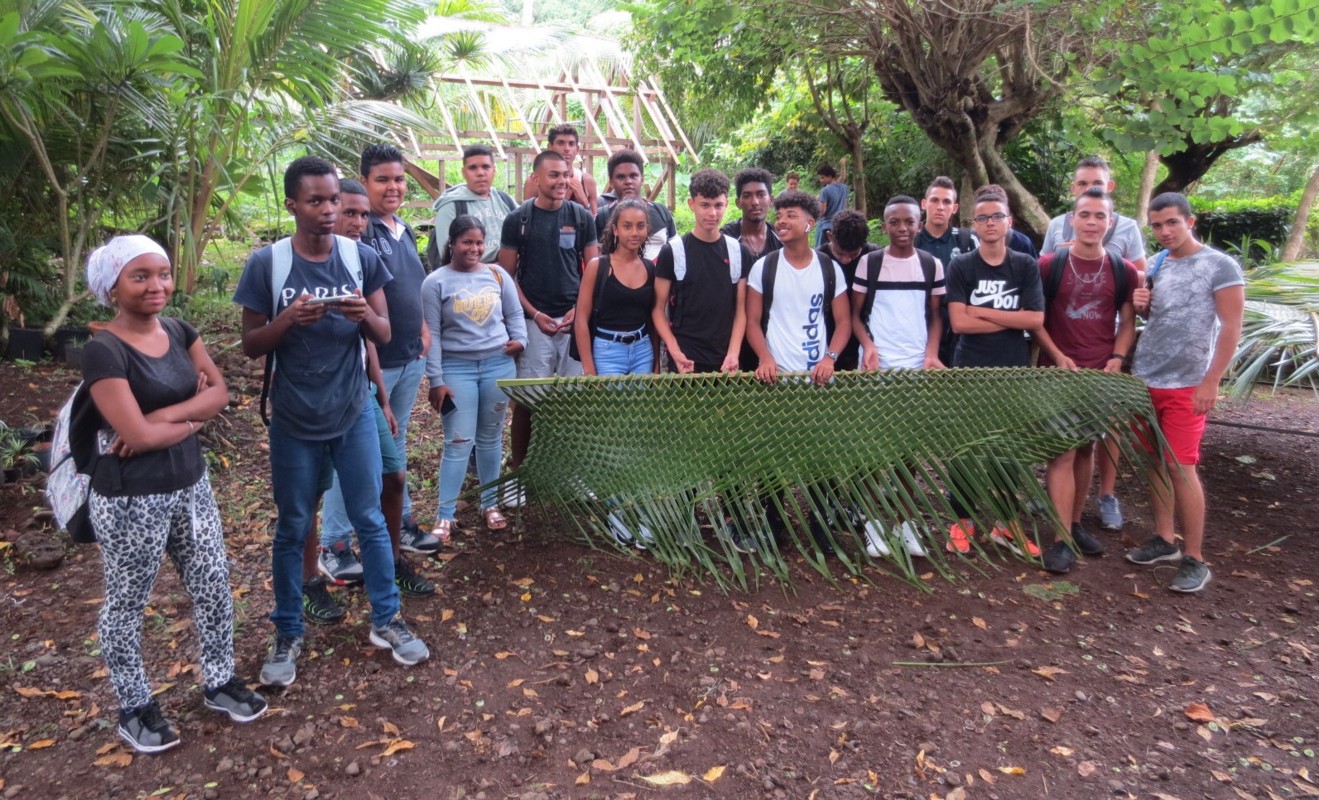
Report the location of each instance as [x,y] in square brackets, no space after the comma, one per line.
[105,263]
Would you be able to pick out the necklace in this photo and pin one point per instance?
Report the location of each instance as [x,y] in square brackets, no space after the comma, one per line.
[1090,282]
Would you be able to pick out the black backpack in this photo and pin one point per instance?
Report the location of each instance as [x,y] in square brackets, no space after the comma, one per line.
[460,207]
[601,277]
[872,279]
[830,287]
[1121,291]
[580,219]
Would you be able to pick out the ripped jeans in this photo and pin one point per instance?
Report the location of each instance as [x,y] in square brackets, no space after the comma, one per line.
[477,419]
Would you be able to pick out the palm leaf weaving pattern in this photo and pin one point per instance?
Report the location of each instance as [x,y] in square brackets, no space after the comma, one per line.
[693,460]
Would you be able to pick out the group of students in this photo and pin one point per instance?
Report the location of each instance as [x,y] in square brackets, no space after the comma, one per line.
[349,322]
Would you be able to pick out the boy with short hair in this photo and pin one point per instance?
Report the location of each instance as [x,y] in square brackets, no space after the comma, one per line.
[545,242]
[833,198]
[753,190]
[402,359]
[793,181]
[476,197]
[319,402]
[563,139]
[1194,312]
[700,285]
[847,247]
[626,181]
[1086,287]
[942,239]
[994,297]
[896,295]
[1124,236]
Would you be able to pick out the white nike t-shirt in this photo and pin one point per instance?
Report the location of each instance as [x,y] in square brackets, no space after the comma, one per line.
[796,332]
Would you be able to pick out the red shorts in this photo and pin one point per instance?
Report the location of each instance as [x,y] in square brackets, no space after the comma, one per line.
[1182,427]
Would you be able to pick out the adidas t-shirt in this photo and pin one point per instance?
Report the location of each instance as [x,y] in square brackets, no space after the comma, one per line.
[796,332]
[897,321]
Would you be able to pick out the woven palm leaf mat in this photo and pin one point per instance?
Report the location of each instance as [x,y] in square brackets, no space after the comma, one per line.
[688,464]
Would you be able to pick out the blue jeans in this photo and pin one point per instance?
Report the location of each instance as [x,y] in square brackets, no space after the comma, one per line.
[477,418]
[295,466]
[402,384]
[616,358]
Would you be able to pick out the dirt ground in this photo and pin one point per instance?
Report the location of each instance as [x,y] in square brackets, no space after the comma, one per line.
[562,671]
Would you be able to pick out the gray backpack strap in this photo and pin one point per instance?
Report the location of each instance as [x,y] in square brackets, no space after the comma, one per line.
[281,264]
[734,257]
[679,259]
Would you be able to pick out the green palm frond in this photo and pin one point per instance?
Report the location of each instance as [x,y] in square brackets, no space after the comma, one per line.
[679,453]
[1280,330]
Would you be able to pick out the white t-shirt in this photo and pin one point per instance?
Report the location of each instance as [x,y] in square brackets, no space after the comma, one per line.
[796,333]
[897,318]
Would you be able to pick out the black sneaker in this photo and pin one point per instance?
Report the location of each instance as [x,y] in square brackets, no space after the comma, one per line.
[1086,542]
[318,604]
[822,538]
[235,699]
[146,729]
[409,581]
[414,540]
[1155,549]
[1059,559]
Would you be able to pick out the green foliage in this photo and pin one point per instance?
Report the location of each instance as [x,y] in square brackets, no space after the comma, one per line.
[1262,223]
[1280,332]
[683,454]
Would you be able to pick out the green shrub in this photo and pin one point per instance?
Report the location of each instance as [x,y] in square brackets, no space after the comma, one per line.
[1258,225]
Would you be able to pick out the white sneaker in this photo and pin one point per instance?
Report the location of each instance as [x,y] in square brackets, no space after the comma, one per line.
[877,547]
[512,495]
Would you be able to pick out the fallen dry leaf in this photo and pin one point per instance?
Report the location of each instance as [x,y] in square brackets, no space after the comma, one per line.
[668,738]
[583,779]
[1086,768]
[1060,750]
[503,654]
[753,622]
[1012,770]
[1199,712]
[348,722]
[397,745]
[592,677]
[41,744]
[1051,714]
[1049,673]
[120,759]
[390,728]
[632,709]
[295,775]
[1220,776]
[671,778]
[979,623]
[603,765]
[713,774]
[629,758]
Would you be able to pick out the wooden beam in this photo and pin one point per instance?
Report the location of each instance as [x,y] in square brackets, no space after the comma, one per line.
[664,103]
[556,86]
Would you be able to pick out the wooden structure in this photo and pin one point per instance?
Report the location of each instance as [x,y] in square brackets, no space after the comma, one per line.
[610,109]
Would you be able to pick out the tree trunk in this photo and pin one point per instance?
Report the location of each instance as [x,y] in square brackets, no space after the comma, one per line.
[1147,176]
[859,188]
[1296,239]
[1190,164]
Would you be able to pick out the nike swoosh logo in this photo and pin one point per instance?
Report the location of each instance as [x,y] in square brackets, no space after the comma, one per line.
[978,299]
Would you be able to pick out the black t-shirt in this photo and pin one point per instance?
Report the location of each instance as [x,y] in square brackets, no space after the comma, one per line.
[1013,285]
[703,304]
[622,308]
[849,356]
[772,241]
[403,294]
[155,383]
[549,269]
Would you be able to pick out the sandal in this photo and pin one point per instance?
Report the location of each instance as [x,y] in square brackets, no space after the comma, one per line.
[443,531]
[494,521]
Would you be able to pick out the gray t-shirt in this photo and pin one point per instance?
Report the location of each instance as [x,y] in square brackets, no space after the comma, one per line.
[1126,237]
[319,384]
[1178,343]
[471,315]
[490,209]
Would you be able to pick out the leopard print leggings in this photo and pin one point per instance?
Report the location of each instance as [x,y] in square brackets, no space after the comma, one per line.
[133,533]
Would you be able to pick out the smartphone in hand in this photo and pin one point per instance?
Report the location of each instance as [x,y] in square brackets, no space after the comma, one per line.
[448,405]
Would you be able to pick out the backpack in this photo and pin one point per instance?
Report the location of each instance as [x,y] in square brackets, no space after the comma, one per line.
[72,457]
[1121,291]
[830,287]
[872,280]
[460,207]
[281,264]
[680,271]
[580,219]
[964,243]
[1154,266]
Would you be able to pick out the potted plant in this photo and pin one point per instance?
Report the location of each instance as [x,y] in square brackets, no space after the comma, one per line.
[16,455]
[71,353]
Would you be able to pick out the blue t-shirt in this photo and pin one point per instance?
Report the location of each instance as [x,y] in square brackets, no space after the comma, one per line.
[319,385]
[834,197]
[403,293]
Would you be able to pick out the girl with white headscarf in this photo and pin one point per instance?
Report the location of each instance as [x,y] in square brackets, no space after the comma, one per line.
[154,385]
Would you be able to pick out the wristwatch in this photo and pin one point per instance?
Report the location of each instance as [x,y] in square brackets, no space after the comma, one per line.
[832,354]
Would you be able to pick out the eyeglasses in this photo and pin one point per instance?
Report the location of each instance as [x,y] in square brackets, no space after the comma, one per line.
[983,218]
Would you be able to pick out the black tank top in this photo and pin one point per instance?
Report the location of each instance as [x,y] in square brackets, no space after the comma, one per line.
[623,309]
